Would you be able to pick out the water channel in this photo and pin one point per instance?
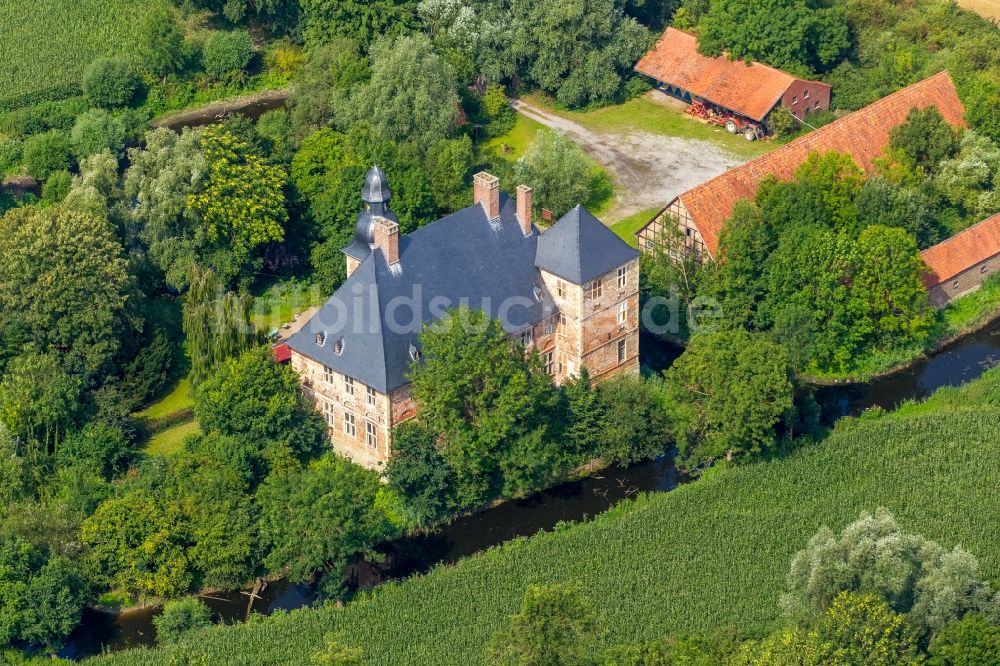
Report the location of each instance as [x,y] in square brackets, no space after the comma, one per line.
[962,361]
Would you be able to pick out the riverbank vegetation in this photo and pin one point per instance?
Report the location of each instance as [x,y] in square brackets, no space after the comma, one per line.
[927,463]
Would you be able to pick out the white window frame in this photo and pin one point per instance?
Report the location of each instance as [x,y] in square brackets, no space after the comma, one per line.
[328,375]
[594,289]
[560,289]
[622,277]
[330,414]
[348,385]
[370,396]
[527,337]
[371,435]
[622,350]
[549,359]
[622,312]
[350,425]
[805,94]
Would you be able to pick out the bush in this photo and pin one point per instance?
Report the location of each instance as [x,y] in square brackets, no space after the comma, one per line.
[97,131]
[105,448]
[45,153]
[180,617]
[10,156]
[111,82]
[226,53]
[56,186]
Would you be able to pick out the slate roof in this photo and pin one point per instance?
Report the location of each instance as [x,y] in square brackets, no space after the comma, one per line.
[962,251]
[750,90]
[579,248]
[863,134]
[461,259]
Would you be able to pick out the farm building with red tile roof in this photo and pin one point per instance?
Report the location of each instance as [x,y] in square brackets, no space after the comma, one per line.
[960,264]
[749,90]
[701,212]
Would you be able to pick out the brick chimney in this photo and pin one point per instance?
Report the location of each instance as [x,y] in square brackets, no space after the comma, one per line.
[387,237]
[486,190]
[524,208]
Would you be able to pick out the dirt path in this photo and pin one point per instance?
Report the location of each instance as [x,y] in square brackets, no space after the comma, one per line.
[648,169]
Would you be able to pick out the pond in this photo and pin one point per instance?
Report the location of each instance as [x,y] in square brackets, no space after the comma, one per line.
[962,361]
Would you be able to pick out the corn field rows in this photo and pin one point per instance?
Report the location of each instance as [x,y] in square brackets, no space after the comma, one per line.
[47,44]
[708,554]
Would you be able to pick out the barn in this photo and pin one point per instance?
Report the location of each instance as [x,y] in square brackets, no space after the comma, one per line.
[735,94]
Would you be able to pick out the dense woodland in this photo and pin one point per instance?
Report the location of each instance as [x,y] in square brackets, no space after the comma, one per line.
[136,262]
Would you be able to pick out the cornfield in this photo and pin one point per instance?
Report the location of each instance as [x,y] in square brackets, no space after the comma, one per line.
[709,554]
[46,45]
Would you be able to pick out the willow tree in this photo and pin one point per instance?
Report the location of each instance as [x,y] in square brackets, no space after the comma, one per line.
[216,324]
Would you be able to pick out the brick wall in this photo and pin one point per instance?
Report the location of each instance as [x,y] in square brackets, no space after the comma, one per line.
[332,399]
[602,331]
[805,97]
[965,282]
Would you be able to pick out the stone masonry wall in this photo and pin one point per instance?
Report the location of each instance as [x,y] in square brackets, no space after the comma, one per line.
[333,400]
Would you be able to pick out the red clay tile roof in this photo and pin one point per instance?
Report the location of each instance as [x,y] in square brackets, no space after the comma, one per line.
[863,135]
[962,251]
[750,90]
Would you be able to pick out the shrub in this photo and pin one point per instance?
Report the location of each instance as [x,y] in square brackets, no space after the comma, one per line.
[10,155]
[103,447]
[45,153]
[97,131]
[226,53]
[56,186]
[111,82]
[180,617]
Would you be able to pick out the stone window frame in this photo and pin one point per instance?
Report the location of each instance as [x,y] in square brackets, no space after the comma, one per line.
[560,289]
[549,359]
[594,289]
[622,350]
[526,337]
[371,435]
[622,315]
[370,396]
[328,375]
[622,277]
[330,414]
[350,425]
[348,385]
[805,94]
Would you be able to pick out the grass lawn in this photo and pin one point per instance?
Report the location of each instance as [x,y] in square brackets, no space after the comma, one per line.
[170,440]
[276,302]
[709,554]
[627,228]
[176,401]
[644,114]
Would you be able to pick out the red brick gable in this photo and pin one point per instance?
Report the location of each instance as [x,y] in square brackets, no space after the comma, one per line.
[863,134]
[962,251]
[750,90]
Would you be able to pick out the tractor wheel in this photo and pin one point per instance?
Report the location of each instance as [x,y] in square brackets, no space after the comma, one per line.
[731,126]
[750,134]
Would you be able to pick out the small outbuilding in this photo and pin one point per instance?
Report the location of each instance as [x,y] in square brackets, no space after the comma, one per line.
[732,93]
[959,265]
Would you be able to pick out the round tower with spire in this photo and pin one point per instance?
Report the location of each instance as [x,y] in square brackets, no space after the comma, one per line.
[376,195]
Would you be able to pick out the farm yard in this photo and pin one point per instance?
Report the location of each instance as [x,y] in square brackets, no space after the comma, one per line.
[45,59]
[707,555]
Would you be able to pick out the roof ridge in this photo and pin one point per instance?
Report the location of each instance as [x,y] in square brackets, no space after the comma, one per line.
[969,228]
[751,63]
[820,132]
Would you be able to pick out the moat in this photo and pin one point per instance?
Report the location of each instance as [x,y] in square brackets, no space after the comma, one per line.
[960,362]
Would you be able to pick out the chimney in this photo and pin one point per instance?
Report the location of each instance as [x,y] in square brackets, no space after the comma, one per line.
[524,208]
[486,190]
[387,238]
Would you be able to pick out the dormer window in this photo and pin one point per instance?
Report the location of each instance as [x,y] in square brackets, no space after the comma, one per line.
[321,338]
[537,291]
[338,347]
[414,352]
